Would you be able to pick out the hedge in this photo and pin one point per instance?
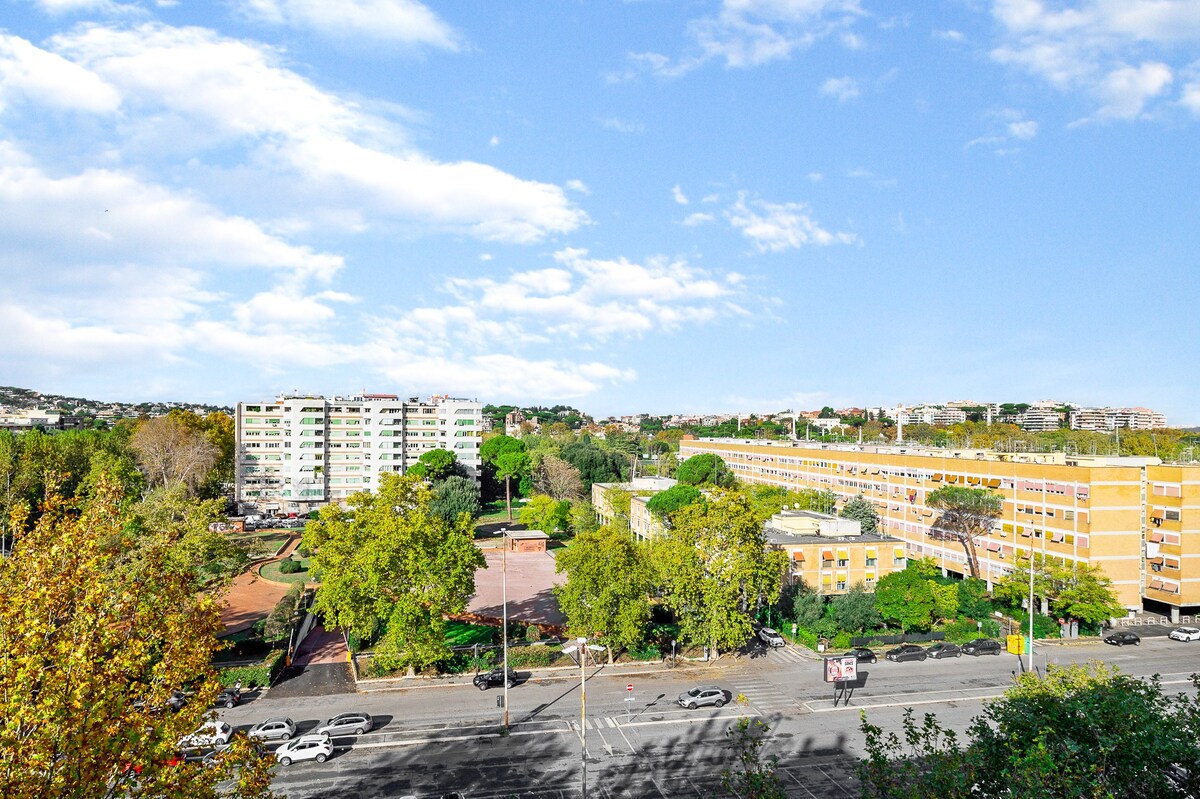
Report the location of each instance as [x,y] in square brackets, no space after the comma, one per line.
[262,674]
[647,652]
[532,656]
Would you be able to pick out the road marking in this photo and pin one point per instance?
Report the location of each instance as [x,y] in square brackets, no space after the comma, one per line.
[686,720]
[942,701]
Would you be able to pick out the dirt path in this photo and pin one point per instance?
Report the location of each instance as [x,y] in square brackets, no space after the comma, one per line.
[250,597]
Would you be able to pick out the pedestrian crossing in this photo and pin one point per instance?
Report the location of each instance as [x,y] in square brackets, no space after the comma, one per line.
[764,696]
[789,654]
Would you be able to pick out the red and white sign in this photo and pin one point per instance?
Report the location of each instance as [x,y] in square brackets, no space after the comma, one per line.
[629,687]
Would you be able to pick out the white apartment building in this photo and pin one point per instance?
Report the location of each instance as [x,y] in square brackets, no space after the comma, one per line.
[1107,419]
[298,453]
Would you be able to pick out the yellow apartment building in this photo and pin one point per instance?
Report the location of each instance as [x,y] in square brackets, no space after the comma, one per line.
[1135,518]
[832,554]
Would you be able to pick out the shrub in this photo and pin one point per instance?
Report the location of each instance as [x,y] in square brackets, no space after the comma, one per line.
[806,638]
[289,566]
[531,657]
[260,674]
[533,633]
[1043,626]
[647,652]
[841,640]
[304,552]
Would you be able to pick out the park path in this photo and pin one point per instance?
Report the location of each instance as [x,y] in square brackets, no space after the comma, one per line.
[251,597]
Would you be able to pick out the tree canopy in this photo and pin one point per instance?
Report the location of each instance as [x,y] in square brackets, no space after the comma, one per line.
[716,569]
[967,514]
[906,597]
[595,464]
[607,591]
[704,469]
[455,495]
[862,511]
[91,652]
[664,504]
[388,563]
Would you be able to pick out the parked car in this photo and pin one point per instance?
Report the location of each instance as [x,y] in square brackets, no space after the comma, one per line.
[943,649]
[345,724]
[279,727]
[1185,634]
[862,655]
[313,746]
[770,637]
[210,733]
[982,646]
[1123,637]
[494,677]
[229,697]
[703,695]
[906,652]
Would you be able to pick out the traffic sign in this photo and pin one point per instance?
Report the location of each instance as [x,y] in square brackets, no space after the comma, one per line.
[629,687]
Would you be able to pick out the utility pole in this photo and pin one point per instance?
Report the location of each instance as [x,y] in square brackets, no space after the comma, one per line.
[504,602]
[582,646]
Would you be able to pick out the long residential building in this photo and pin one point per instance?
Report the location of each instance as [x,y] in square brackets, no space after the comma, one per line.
[1135,518]
[298,453]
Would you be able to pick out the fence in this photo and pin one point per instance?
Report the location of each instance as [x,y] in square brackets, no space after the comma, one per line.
[905,638]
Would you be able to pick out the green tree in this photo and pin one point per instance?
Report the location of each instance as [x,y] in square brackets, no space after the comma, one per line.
[827,413]
[808,608]
[438,464]
[862,511]
[973,600]
[967,514]
[754,777]
[595,465]
[664,504]
[906,598]
[508,458]
[607,591]
[546,514]
[388,562]
[945,600]
[1089,597]
[704,469]
[854,611]
[716,570]
[583,517]
[1077,732]
[91,654]
[455,495]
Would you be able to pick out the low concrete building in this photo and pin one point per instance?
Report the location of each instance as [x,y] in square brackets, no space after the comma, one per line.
[832,554]
[526,540]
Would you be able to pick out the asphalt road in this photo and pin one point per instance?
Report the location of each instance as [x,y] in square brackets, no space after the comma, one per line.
[434,738]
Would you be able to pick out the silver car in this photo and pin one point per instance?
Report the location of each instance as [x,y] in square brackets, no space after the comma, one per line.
[355,723]
[703,695]
[279,728]
[770,637]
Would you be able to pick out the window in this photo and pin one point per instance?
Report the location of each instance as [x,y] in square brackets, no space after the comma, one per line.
[1172,515]
[872,561]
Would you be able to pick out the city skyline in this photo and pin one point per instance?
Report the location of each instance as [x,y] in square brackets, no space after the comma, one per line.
[739,205]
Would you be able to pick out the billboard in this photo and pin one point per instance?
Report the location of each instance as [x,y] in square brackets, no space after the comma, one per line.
[842,668]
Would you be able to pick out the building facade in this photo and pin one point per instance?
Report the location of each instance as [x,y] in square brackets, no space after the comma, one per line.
[642,522]
[298,453]
[831,554]
[1137,519]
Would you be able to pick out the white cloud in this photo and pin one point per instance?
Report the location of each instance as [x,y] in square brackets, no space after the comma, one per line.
[843,89]
[949,35]
[1007,125]
[748,33]
[404,21]
[494,141]
[710,198]
[30,73]
[679,196]
[1191,97]
[698,218]
[815,177]
[578,186]
[778,227]
[1023,129]
[60,7]
[622,125]
[224,90]
[1100,47]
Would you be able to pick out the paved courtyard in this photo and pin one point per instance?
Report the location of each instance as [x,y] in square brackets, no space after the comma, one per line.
[530,578]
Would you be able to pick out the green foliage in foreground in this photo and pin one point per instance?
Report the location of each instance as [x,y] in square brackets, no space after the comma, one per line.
[1079,732]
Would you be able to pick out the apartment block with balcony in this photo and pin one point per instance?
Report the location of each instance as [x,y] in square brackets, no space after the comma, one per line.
[1121,514]
[832,555]
[298,453]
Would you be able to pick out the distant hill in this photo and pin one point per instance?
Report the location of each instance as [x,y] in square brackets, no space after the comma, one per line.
[14,397]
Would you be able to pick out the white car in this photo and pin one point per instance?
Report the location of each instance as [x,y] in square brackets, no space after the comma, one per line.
[314,746]
[770,637]
[210,733]
[1185,634]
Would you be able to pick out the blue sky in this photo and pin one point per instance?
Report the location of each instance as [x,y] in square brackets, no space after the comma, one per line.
[628,206]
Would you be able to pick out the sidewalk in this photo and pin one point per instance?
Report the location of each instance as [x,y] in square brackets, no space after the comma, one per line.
[250,597]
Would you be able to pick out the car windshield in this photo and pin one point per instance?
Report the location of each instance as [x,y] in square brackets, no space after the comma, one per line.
[694,692]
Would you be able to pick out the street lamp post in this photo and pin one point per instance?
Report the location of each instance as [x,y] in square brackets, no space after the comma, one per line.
[504,602]
[582,646]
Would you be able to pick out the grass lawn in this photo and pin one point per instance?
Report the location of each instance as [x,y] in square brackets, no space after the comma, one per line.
[270,540]
[461,633]
[271,572]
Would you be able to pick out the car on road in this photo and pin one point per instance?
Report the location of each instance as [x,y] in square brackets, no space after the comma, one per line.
[703,695]
[982,646]
[770,637]
[1185,634]
[906,652]
[944,649]
[229,698]
[355,723]
[279,727]
[862,655]
[494,677]
[1123,637]
[313,746]
[210,733]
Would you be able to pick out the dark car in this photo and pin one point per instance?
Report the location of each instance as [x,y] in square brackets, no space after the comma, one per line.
[982,646]
[906,652]
[494,677]
[229,697]
[943,649]
[1123,637]
[861,654]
